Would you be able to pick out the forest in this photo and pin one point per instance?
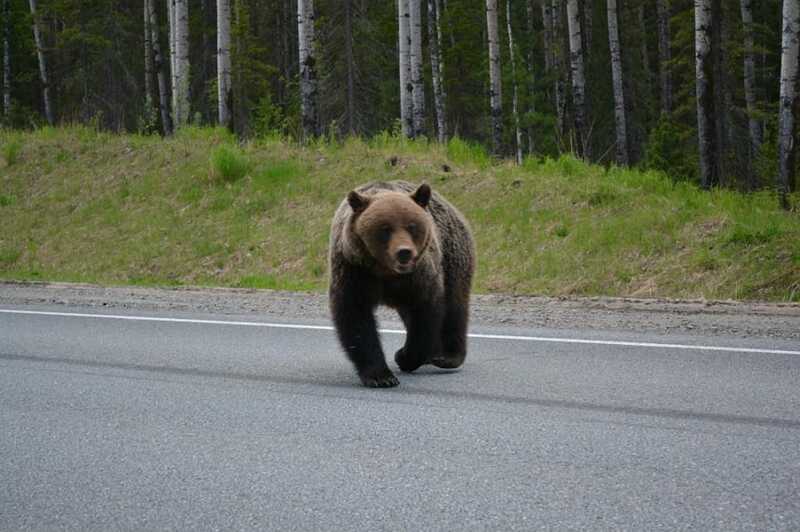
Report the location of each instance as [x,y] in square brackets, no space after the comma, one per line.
[704,90]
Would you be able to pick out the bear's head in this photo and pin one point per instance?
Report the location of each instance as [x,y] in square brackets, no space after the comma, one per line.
[393,226]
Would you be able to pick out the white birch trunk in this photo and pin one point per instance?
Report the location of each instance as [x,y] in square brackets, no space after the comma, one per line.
[158,66]
[664,55]
[37,37]
[495,83]
[749,87]
[416,67]
[6,58]
[406,86]
[620,120]
[173,62]
[182,113]
[514,98]
[437,67]
[788,96]
[705,100]
[224,93]
[578,77]
[308,72]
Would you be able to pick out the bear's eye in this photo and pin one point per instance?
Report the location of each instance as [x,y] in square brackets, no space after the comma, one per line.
[385,233]
[412,228]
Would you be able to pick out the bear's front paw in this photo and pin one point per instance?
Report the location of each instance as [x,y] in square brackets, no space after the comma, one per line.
[405,362]
[378,378]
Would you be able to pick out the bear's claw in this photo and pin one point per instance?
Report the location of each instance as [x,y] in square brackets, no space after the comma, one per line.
[379,378]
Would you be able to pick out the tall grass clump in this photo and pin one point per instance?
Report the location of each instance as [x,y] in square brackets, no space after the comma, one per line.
[11,149]
[461,151]
[228,164]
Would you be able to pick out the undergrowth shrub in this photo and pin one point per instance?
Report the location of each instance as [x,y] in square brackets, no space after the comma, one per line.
[228,164]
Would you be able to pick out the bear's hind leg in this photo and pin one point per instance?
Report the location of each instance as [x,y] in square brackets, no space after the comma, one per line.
[454,336]
[423,334]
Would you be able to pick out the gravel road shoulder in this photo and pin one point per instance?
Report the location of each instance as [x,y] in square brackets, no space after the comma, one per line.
[728,318]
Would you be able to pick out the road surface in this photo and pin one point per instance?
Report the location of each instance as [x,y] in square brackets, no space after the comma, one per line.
[121,419]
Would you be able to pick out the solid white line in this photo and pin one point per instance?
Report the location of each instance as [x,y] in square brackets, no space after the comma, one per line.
[398,331]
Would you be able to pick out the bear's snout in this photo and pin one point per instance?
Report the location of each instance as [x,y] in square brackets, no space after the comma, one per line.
[404,255]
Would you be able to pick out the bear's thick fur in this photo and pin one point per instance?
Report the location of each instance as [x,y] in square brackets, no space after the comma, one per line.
[408,248]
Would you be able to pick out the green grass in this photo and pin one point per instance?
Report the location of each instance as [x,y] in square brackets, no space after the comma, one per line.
[199,209]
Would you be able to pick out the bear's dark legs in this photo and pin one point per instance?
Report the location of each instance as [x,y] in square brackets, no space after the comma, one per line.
[454,335]
[357,331]
[423,337]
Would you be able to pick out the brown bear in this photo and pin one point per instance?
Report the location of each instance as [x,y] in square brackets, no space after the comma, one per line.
[405,247]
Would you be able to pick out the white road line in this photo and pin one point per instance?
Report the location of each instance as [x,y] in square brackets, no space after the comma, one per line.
[398,331]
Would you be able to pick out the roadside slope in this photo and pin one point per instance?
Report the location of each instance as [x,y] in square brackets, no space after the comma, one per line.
[198,209]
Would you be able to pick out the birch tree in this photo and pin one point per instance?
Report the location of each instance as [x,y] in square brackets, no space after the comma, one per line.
[6,58]
[705,101]
[664,55]
[495,83]
[224,93]
[514,99]
[416,67]
[158,67]
[437,67]
[578,78]
[788,96]
[182,65]
[406,86]
[43,75]
[620,119]
[173,60]
[749,88]
[308,72]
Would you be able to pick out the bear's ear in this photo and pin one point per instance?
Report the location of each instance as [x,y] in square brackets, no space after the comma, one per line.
[357,201]
[422,196]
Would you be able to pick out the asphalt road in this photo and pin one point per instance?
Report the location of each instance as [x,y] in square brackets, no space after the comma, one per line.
[131,424]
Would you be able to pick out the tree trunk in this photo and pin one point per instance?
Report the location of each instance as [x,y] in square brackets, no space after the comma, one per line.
[37,37]
[531,66]
[722,97]
[173,63]
[495,83]
[437,67]
[6,59]
[709,172]
[148,64]
[788,96]
[587,24]
[644,52]
[557,65]
[348,50]
[406,86]
[578,78]
[547,24]
[620,118]
[182,111]
[416,67]
[158,66]
[224,93]
[514,100]
[664,55]
[308,71]
[750,91]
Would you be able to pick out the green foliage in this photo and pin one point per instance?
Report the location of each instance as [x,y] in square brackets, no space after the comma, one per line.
[462,151]
[669,150]
[228,163]
[11,150]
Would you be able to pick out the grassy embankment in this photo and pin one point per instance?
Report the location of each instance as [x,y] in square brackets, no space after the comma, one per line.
[79,205]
